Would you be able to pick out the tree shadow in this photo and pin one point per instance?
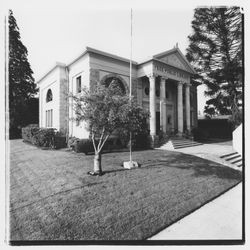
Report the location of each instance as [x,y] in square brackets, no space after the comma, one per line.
[203,167]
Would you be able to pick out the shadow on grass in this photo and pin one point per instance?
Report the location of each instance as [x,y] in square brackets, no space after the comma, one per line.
[113,171]
[203,167]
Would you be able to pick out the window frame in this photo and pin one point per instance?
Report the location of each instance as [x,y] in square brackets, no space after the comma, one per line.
[79,84]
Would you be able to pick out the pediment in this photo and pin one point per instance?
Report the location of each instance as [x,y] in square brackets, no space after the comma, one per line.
[175,58]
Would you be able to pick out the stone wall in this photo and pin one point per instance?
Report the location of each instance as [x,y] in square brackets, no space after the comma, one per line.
[94,77]
[63,105]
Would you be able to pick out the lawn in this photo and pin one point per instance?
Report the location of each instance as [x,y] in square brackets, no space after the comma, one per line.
[53,198]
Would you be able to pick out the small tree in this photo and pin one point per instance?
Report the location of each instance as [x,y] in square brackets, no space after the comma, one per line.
[105,110]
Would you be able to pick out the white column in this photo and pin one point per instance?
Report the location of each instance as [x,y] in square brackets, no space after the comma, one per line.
[152,108]
[187,92]
[180,109]
[163,109]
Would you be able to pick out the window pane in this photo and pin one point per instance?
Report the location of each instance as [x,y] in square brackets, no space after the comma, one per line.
[49,96]
[51,117]
[78,84]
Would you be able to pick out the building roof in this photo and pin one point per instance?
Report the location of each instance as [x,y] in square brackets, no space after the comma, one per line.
[99,52]
[58,64]
[172,51]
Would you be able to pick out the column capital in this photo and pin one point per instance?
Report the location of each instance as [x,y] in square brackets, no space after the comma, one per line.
[151,75]
[180,83]
[163,78]
[187,84]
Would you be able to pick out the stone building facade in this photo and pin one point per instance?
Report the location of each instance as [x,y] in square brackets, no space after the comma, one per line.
[161,84]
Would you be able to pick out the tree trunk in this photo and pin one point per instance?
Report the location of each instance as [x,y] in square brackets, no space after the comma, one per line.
[98,163]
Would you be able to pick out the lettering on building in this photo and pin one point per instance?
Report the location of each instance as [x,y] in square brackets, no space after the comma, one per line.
[170,71]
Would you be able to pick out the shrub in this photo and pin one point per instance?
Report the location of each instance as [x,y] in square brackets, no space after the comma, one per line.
[200,134]
[83,146]
[142,141]
[43,137]
[86,145]
[29,131]
[72,141]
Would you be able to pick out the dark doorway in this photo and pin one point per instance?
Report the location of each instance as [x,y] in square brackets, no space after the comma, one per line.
[158,125]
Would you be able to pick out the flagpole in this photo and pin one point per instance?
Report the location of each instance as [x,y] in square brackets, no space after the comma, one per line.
[130,79]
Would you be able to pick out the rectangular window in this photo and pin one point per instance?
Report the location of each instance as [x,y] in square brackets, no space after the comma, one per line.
[78,84]
[46,120]
[49,118]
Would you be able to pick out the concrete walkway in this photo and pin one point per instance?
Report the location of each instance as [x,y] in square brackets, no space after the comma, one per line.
[219,219]
[212,152]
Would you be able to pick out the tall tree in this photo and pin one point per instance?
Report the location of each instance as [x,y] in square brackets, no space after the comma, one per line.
[215,51]
[21,82]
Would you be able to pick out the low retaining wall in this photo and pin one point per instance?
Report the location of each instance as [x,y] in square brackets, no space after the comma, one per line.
[237,139]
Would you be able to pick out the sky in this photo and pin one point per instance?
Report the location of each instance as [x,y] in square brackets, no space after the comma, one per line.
[58,31]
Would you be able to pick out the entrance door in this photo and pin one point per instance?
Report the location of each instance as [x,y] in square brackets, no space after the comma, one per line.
[158,125]
[170,119]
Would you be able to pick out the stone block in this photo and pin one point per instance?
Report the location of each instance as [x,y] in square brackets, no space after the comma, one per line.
[130,164]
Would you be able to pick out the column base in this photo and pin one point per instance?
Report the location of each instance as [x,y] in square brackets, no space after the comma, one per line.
[154,141]
[179,134]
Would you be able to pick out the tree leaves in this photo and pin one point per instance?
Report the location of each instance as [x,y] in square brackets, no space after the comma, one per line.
[21,82]
[215,51]
[106,109]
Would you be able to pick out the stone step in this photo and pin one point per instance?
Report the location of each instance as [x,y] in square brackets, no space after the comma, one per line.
[187,146]
[233,158]
[240,160]
[184,143]
[224,156]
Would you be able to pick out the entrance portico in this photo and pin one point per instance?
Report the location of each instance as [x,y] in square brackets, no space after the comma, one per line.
[165,72]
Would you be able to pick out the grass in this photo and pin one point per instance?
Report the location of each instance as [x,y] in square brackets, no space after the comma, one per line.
[53,198]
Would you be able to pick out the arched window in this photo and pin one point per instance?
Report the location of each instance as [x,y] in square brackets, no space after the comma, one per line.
[116,82]
[49,96]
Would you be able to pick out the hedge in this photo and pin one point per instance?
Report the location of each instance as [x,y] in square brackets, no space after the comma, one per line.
[43,137]
[86,145]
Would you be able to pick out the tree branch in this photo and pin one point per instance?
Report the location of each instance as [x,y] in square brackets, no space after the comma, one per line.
[100,140]
[107,136]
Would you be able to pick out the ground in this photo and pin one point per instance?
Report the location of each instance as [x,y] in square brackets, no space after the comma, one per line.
[53,198]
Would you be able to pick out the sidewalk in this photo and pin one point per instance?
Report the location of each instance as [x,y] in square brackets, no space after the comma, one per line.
[211,152]
[219,219]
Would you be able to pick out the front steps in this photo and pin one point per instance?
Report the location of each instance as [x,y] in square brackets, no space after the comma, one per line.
[233,158]
[177,143]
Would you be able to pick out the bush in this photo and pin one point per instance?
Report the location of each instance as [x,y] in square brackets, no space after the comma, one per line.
[86,145]
[43,137]
[83,146]
[29,131]
[200,134]
[142,141]
[72,141]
